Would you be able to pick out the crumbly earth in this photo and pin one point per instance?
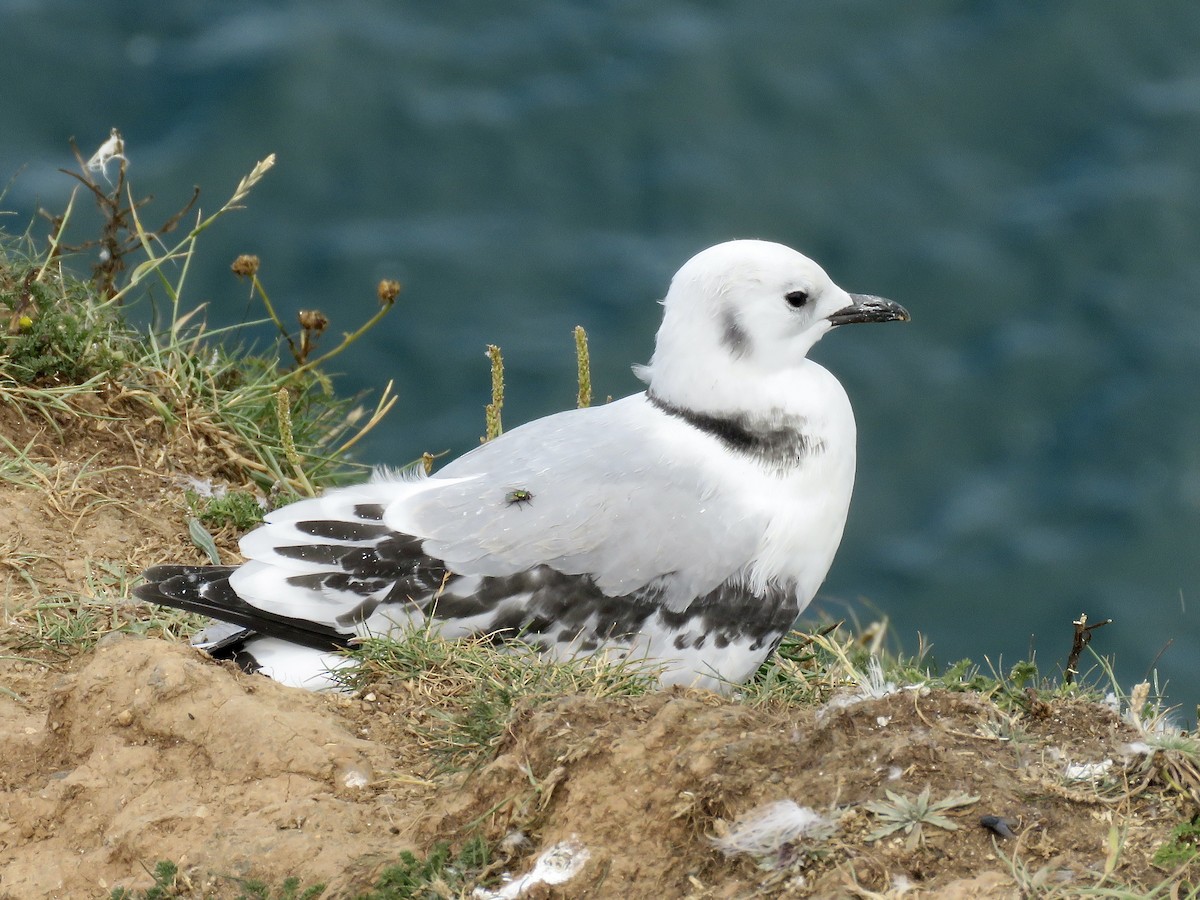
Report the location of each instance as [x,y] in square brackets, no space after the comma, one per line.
[142,750]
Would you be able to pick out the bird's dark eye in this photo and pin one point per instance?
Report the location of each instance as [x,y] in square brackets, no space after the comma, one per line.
[796,299]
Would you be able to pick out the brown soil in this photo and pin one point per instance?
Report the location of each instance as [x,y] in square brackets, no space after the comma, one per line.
[143,750]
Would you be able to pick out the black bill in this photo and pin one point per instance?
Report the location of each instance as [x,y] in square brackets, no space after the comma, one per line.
[867,308]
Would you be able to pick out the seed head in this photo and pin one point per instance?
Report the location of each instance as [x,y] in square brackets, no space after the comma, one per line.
[388,292]
[313,320]
[245,266]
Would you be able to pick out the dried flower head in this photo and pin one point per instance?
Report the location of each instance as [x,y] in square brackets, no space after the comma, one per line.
[388,292]
[245,266]
[313,320]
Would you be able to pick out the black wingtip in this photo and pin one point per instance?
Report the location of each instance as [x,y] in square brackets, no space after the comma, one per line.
[206,590]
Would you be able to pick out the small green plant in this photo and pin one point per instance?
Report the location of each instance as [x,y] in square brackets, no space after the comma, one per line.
[165,885]
[62,340]
[239,510]
[1181,849]
[170,882]
[65,623]
[440,874]
[1023,674]
[59,338]
[911,814]
[289,890]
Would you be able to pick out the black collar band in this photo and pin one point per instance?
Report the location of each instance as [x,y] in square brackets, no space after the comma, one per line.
[778,442]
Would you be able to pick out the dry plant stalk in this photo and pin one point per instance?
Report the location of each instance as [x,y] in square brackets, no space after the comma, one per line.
[1083,637]
[284,411]
[494,426]
[583,362]
[121,233]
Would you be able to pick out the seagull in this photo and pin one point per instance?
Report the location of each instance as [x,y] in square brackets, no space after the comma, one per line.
[686,526]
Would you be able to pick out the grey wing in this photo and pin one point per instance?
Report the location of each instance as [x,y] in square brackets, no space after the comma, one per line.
[619,493]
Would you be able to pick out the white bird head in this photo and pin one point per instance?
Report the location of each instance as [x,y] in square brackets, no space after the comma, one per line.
[748,310]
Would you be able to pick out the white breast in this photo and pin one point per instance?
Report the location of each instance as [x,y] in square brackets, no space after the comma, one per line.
[806,506]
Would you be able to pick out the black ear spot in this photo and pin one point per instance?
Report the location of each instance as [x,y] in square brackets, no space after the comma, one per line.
[733,336]
[796,299]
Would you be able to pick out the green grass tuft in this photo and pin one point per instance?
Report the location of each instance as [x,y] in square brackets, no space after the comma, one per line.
[472,688]
[440,874]
[66,624]
[62,339]
[290,889]
[172,884]
[240,510]
[1182,848]
[60,335]
[165,876]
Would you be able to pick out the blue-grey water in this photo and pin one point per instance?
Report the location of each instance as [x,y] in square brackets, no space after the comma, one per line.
[1024,177]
